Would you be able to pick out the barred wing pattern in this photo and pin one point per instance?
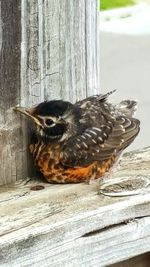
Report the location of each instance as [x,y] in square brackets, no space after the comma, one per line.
[100,143]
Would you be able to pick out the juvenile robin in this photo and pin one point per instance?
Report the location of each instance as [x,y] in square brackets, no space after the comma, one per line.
[79,142]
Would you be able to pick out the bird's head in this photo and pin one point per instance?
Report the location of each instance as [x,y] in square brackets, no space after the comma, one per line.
[52,118]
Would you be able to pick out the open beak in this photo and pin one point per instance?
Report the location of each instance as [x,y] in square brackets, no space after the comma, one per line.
[30,113]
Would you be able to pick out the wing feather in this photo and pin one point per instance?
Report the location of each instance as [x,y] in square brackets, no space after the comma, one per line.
[99,143]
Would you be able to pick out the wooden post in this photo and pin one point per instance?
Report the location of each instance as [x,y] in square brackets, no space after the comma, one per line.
[48,50]
[11,148]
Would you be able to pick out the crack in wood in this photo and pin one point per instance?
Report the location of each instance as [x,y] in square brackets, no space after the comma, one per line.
[113,226]
[53,73]
[15,197]
[34,221]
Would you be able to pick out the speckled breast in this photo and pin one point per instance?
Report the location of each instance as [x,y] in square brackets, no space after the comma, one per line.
[47,159]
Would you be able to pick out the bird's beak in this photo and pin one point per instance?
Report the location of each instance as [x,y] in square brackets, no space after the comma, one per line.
[30,112]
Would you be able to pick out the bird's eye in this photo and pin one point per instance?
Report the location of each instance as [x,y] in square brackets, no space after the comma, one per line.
[49,122]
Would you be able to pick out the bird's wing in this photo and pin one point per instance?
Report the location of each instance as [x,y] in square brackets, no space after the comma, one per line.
[101,97]
[99,144]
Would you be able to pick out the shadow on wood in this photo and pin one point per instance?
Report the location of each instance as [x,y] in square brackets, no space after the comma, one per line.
[139,261]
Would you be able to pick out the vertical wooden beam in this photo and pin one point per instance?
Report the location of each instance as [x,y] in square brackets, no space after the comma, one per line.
[11,166]
[48,51]
[60,49]
[92,46]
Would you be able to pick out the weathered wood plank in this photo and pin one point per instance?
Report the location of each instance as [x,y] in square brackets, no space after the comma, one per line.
[10,56]
[74,225]
[59,50]
[92,43]
[48,50]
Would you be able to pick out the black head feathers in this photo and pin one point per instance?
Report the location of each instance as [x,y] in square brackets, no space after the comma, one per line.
[54,108]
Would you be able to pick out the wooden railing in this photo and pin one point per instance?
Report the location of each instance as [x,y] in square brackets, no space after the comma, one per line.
[78,225]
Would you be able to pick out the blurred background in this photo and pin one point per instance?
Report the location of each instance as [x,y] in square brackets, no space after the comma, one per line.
[125,57]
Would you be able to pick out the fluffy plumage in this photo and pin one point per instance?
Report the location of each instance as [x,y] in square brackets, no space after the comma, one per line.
[90,131]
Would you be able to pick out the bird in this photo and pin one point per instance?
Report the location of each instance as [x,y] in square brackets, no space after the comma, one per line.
[80,142]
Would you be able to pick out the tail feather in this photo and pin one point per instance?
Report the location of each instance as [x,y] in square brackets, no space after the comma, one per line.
[105,96]
[128,107]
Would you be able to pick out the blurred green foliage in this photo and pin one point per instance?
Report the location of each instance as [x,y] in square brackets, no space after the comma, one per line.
[109,4]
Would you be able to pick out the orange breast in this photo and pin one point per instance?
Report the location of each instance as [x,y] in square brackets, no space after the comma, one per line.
[47,159]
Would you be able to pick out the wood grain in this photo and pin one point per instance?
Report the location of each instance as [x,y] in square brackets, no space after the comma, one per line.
[59,50]
[11,144]
[75,225]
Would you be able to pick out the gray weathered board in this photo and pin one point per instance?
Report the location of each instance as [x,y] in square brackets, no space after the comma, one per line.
[76,225]
[48,50]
